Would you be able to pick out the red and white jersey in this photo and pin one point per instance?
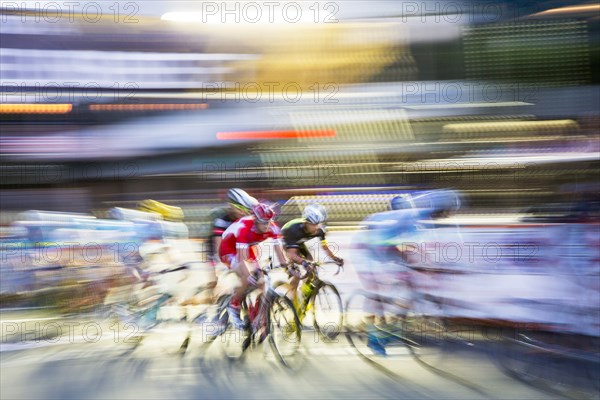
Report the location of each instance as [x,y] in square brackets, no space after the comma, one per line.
[242,234]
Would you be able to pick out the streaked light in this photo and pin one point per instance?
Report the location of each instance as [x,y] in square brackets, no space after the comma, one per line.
[16,108]
[512,161]
[238,16]
[570,10]
[512,126]
[262,135]
[147,107]
[468,105]
[176,16]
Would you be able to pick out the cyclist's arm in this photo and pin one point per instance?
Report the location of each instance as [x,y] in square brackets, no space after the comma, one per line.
[327,249]
[280,254]
[291,238]
[276,234]
[294,255]
[330,254]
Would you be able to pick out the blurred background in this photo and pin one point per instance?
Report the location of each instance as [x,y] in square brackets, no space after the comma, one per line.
[105,107]
[348,103]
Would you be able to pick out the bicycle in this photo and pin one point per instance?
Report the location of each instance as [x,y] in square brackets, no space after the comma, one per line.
[319,296]
[414,322]
[140,312]
[266,314]
[213,321]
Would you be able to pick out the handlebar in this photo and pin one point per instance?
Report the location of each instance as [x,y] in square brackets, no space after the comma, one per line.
[315,265]
[145,274]
[176,269]
[269,267]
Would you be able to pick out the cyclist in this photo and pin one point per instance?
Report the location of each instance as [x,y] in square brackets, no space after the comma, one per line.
[300,230]
[239,205]
[160,233]
[239,252]
[383,267]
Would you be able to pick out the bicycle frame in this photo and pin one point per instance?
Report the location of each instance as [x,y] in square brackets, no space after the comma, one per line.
[264,322]
[264,319]
[313,279]
[266,297]
[429,327]
[145,307]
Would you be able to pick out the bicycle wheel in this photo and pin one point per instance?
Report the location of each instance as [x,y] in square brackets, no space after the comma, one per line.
[235,341]
[328,311]
[426,332]
[129,325]
[284,329]
[354,322]
[283,288]
[211,324]
[373,324]
[122,323]
[160,321]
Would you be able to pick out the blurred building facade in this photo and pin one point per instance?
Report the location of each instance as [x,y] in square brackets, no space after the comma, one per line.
[503,106]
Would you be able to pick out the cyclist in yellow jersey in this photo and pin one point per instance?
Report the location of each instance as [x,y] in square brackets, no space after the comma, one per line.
[300,230]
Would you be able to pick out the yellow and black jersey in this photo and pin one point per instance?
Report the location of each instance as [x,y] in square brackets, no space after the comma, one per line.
[294,235]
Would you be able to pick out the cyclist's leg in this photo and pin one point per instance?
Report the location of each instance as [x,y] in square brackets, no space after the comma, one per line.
[367,272]
[293,292]
[241,270]
[295,281]
[212,278]
[397,284]
[203,294]
[374,310]
[305,253]
[222,284]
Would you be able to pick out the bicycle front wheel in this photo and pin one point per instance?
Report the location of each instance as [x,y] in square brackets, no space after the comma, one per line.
[354,321]
[328,311]
[284,329]
[234,340]
[210,326]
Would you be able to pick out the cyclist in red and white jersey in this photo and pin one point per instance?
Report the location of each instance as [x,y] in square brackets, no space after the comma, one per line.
[239,205]
[238,250]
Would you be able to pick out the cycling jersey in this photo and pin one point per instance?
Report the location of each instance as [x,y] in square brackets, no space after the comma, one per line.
[295,236]
[388,228]
[243,234]
[384,232]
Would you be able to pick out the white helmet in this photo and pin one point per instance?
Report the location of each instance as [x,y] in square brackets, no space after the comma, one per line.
[315,214]
[240,198]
